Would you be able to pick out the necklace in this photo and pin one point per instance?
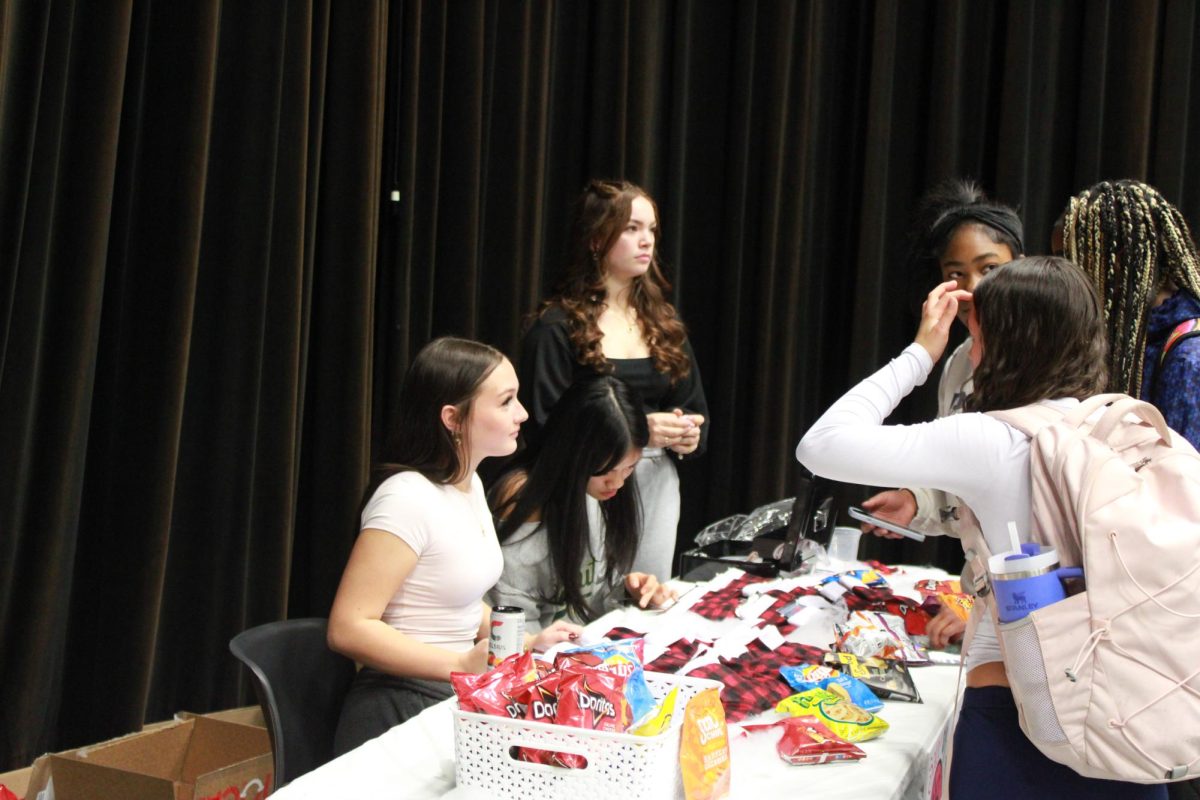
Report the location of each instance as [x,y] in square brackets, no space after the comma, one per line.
[631,320]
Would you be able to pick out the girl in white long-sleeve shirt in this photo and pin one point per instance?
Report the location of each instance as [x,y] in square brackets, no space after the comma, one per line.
[1038,337]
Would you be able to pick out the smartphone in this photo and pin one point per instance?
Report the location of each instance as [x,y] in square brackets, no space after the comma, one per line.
[888,525]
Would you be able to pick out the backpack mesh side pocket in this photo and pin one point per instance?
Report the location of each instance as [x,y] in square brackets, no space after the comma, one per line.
[1027,674]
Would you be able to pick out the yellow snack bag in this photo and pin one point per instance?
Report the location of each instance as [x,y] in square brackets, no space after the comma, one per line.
[704,748]
[852,723]
[660,719]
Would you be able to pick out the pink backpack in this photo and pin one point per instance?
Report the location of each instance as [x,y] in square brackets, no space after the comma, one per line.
[1108,680]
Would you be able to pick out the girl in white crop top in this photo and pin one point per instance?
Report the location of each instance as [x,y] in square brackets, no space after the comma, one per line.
[568,530]
[1037,331]
[410,604]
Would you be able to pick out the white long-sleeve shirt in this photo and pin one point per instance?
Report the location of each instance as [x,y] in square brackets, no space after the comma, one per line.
[976,457]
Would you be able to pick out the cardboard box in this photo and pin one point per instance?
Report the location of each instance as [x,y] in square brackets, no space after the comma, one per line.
[246,715]
[16,781]
[194,759]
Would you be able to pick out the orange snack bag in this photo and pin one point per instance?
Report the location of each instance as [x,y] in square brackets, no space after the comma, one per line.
[960,604]
[704,748]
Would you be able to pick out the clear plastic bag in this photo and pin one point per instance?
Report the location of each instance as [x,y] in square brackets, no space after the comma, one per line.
[747,527]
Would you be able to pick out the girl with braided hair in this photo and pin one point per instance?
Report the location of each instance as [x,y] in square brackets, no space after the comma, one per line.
[1136,248]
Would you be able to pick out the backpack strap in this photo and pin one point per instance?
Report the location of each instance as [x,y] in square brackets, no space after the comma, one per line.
[1184,330]
[1029,420]
[1127,405]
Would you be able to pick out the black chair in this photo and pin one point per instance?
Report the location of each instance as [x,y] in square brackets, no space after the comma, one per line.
[300,684]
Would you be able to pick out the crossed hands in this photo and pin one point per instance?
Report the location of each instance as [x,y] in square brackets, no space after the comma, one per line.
[675,430]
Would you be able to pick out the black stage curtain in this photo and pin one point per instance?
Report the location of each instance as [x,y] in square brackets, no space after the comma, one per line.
[225,228]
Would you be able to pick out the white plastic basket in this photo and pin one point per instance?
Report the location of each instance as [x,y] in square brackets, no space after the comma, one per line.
[634,766]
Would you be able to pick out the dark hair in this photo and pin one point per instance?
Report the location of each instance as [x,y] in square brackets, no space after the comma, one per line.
[590,430]
[601,213]
[1131,242]
[447,371]
[1043,335]
[945,209]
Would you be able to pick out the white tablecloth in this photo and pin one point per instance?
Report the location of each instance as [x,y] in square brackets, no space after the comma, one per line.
[416,759]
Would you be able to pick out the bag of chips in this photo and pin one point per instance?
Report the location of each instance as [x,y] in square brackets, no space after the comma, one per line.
[872,633]
[704,748]
[499,691]
[593,699]
[806,740]
[623,657]
[658,720]
[848,721]
[815,676]
[886,677]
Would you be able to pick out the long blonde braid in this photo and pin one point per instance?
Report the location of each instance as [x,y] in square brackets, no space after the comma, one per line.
[1131,242]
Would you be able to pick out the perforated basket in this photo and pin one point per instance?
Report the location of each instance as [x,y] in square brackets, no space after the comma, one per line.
[635,766]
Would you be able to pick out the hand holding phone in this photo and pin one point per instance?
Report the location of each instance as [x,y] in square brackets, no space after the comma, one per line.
[888,525]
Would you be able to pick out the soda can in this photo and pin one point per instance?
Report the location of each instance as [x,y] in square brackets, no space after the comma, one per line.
[506,635]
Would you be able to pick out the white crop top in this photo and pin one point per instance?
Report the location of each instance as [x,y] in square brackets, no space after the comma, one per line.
[458,556]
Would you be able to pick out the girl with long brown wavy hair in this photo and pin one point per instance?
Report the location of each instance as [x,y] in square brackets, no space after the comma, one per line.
[610,315]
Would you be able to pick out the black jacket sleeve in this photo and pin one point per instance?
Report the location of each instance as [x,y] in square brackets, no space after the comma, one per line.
[547,367]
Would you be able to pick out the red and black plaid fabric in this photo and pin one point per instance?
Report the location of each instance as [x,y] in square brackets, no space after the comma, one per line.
[720,603]
[752,681]
[772,615]
[618,633]
[679,653]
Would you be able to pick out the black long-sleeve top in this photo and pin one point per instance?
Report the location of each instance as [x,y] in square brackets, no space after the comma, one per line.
[549,365]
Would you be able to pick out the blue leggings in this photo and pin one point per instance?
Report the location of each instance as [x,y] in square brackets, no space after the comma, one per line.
[994,759]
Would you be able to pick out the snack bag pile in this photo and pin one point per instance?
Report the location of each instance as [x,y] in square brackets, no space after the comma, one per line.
[818,676]
[834,586]
[846,720]
[887,678]
[872,633]
[945,594]
[599,688]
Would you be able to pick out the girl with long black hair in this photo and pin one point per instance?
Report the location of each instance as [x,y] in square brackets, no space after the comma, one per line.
[568,511]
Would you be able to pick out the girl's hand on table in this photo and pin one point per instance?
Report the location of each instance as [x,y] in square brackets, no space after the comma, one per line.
[561,631]
[646,591]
